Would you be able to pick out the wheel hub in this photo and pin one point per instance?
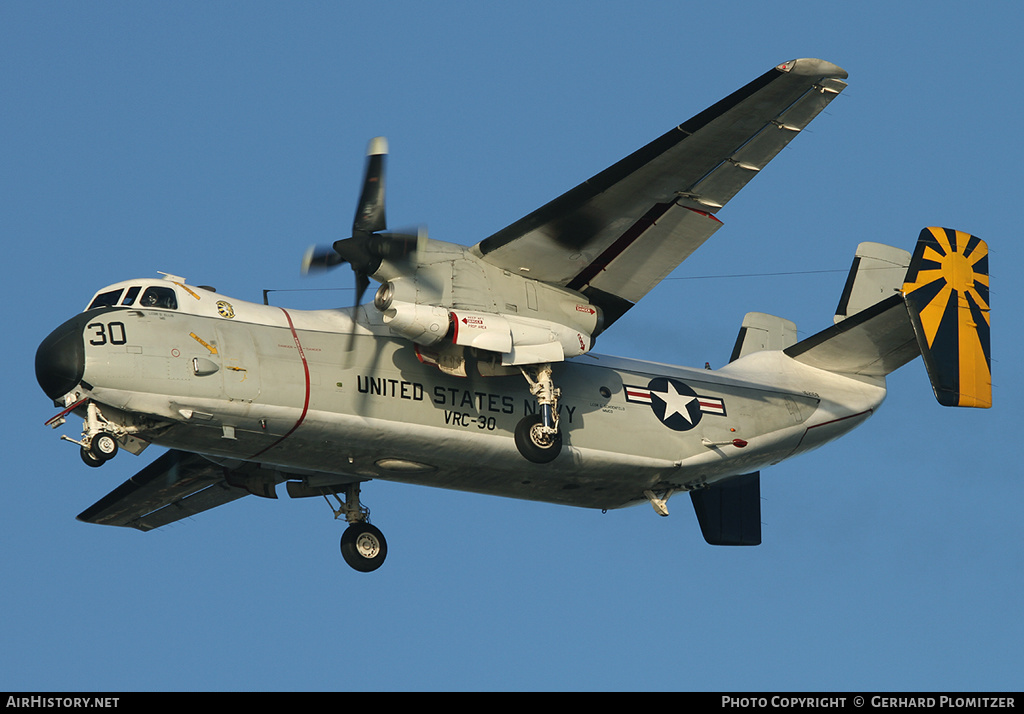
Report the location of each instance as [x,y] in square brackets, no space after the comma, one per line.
[367,545]
[541,436]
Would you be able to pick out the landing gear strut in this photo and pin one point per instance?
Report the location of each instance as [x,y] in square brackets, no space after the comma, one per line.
[99,436]
[537,436]
[362,545]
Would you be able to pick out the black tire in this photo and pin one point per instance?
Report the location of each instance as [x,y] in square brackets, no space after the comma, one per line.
[534,446]
[89,459]
[363,547]
[103,446]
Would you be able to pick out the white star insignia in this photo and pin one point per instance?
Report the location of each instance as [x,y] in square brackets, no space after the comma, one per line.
[675,403]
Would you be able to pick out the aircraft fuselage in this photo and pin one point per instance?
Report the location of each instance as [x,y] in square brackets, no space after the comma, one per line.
[296,391]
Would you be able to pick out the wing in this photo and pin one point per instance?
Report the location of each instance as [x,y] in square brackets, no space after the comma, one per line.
[616,236]
[177,485]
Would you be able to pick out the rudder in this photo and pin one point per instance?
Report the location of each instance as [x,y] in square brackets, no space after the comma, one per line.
[947,294]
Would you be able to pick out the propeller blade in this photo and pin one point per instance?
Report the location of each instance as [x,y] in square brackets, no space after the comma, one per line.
[369,244]
[362,282]
[319,258]
[370,210]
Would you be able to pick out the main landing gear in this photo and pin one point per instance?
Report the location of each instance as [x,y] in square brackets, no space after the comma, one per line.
[362,545]
[537,436]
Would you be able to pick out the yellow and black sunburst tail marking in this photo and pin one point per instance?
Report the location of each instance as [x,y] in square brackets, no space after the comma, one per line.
[947,293]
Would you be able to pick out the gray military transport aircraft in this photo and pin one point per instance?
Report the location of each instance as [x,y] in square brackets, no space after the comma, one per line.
[471,368]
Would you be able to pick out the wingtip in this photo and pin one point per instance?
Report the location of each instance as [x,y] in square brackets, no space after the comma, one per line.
[813,67]
[378,145]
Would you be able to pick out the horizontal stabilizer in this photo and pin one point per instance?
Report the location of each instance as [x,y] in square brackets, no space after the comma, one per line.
[872,334]
[947,294]
[729,512]
[873,343]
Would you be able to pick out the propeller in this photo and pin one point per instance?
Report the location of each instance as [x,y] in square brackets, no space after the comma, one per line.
[369,243]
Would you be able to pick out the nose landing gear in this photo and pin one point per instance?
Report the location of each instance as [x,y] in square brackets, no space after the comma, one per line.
[99,435]
[102,448]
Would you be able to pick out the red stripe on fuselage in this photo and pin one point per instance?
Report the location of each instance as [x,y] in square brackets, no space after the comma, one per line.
[305,369]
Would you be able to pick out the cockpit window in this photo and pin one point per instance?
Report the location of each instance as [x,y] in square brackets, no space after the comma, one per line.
[159,297]
[129,297]
[106,299]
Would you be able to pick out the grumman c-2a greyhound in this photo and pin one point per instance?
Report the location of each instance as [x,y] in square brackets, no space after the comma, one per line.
[472,369]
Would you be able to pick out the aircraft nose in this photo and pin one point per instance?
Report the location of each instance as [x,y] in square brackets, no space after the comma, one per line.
[60,359]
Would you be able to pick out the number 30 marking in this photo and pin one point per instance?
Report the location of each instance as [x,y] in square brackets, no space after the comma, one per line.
[112,332]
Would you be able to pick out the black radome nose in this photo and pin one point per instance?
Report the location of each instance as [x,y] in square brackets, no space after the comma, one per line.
[60,359]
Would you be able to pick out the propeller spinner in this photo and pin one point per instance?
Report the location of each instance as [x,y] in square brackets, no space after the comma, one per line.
[369,244]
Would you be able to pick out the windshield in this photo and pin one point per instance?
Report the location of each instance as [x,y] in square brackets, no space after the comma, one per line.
[106,299]
[159,297]
[155,296]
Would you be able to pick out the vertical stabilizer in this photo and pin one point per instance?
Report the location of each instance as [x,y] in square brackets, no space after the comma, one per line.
[760,332]
[947,294]
[729,512]
[877,273]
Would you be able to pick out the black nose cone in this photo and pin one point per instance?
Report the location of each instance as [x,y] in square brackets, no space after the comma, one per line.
[60,359]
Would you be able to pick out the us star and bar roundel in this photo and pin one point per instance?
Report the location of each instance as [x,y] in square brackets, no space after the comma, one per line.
[675,404]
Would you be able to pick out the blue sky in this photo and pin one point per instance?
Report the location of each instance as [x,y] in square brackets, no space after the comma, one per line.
[217,140]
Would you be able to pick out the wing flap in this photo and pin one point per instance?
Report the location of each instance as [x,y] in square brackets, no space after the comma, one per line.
[669,234]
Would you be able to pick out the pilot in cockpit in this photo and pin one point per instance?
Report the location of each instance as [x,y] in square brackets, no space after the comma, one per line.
[161,297]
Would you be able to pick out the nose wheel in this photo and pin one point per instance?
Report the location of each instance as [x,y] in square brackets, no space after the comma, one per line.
[98,444]
[102,448]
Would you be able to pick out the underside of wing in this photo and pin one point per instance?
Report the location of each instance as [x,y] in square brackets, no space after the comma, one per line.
[177,485]
[617,235]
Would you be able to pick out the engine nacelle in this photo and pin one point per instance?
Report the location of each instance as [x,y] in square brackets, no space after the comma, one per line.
[423,324]
[515,338]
